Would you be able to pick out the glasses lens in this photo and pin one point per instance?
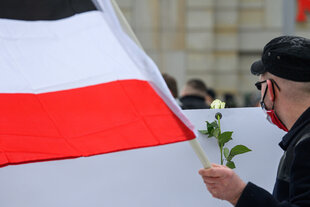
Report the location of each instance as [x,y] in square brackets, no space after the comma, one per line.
[259,84]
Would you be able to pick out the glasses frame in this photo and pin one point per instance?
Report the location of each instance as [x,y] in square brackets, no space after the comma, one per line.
[258,84]
[259,87]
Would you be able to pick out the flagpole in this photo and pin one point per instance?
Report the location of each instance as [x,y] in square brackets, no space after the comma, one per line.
[194,142]
[200,153]
[125,24]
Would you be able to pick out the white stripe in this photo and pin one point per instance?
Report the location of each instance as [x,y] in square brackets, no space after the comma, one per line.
[86,49]
[46,56]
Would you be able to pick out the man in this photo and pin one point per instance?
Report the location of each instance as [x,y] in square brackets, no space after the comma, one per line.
[193,95]
[284,81]
[211,96]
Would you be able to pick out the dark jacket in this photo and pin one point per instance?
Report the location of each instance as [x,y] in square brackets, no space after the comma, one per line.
[193,102]
[292,187]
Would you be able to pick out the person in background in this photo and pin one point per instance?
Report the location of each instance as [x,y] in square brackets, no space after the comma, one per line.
[284,83]
[230,101]
[211,96]
[252,100]
[172,84]
[193,95]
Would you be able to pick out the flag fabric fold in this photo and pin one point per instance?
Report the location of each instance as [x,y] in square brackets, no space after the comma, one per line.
[79,86]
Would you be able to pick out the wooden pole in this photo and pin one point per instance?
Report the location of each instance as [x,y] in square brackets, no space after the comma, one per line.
[200,153]
[125,25]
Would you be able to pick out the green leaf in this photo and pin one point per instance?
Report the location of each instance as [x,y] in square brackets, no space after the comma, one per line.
[230,164]
[203,131]
[216,132]
[239,149]
[210,128]
[226,152]
[224,137]
[214,124]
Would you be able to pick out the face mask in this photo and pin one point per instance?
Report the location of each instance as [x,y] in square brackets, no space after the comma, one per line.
[271,115]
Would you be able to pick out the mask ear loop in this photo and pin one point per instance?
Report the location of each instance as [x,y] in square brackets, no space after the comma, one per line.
[263,98]
[271,91]
[265,93]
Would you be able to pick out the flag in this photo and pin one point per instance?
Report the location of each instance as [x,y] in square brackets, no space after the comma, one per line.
[73,84]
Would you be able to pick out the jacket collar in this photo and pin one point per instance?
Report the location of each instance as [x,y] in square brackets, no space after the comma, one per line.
[298,125]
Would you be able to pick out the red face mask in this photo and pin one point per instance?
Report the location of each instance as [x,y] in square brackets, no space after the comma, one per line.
[271,115]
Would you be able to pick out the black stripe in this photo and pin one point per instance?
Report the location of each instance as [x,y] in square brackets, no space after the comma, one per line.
[43,9]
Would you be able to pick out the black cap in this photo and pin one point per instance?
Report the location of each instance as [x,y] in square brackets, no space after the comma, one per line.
[287,57]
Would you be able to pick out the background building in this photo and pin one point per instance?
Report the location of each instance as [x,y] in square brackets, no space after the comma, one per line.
[215,40]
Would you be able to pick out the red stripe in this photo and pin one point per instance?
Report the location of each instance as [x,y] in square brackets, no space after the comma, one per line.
[86,121]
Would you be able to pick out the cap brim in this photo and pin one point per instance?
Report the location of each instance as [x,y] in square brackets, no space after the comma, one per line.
[258,68]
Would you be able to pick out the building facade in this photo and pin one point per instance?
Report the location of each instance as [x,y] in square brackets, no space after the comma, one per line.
[214,40]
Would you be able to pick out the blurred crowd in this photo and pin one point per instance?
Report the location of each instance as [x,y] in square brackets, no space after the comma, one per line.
[195,94]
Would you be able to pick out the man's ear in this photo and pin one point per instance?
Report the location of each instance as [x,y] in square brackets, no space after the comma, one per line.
[271,90]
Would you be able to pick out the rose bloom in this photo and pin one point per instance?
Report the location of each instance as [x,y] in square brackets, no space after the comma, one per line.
[217,104]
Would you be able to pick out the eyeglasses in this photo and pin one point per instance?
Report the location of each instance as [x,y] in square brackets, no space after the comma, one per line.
[259,84]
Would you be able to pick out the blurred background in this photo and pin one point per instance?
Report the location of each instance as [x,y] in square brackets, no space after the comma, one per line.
[215,41]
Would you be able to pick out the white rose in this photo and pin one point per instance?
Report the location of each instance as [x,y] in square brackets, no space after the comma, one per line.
[217,104]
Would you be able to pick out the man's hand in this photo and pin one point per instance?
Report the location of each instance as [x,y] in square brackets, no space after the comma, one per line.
[223,183]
